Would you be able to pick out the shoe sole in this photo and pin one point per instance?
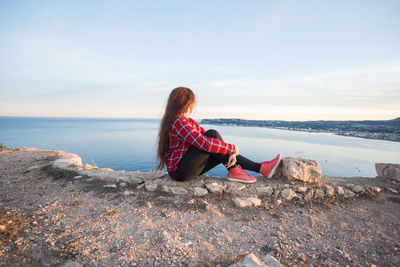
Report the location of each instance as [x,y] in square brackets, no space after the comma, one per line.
[274,168]
[242,181]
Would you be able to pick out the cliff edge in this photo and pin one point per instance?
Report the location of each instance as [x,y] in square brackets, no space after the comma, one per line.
[56,211]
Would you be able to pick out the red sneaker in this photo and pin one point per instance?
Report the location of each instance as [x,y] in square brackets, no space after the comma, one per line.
[268,168]
[237,174]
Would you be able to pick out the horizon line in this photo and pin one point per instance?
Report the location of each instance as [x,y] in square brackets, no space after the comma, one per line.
[158,118]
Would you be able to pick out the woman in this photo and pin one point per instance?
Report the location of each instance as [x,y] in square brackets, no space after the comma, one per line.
[188,150]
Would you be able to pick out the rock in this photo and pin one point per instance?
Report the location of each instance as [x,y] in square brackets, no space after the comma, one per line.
[122,184]
[34,167]
[288,194]
[329,190]
[348,193]
[302,190]
[140,186]
[265,190]
[302,257]
[124,179]
[309,196]
[250,260]
[234,188]
[243,202]
[215,187]
[2,227]
[319,194]
[151,186]
[165,188]
[199,192]
[107,169]
[88,167]
[128,193]
[357,189]
[391,190]
[110,186]
[301,170]
[271,261]
[340,190]
[178,190]
[78,177]
[376,189]
[73,162]
[388,170]
[136,180]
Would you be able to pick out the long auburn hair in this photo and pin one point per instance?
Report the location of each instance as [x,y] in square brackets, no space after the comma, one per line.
[179,100]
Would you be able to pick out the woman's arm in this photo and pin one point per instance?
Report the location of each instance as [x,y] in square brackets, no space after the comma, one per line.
[197,125]
[191,135]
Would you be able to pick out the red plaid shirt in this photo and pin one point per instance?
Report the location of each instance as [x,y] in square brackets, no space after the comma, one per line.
[185,132]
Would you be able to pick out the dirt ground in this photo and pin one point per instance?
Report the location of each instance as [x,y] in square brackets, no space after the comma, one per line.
[50,219]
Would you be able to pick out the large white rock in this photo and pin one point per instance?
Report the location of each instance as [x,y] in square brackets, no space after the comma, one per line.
[243,202]
[301,170]
[388,170]
[71,162]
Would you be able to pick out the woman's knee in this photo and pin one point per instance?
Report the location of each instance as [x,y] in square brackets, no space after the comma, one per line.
[213,133]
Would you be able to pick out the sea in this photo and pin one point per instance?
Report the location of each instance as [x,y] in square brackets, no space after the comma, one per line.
[131,144]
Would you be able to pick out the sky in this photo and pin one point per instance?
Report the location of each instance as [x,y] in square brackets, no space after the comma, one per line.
[268,60]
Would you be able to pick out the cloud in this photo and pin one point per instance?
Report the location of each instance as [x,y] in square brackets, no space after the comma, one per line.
[363,91]
[98,81]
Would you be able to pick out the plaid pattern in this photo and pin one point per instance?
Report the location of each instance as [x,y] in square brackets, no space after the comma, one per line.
[185,132]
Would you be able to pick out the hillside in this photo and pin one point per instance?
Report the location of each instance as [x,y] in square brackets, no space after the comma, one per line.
[378,129]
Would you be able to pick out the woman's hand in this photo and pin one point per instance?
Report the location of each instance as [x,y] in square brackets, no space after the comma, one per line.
[231,161]
[236,150]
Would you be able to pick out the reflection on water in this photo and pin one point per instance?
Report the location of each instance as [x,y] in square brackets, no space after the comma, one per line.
[130,144]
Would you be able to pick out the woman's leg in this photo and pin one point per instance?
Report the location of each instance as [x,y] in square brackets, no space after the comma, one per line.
[248,164]
[216,159]
[196,162]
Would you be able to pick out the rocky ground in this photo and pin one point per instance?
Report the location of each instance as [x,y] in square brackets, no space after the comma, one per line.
[54,217]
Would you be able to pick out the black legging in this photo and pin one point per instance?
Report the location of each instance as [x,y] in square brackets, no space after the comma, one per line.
[196,161]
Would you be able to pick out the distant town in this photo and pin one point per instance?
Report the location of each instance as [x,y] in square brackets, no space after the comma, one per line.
[382,130]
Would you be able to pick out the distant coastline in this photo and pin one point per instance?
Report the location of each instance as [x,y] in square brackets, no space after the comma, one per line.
[388,130]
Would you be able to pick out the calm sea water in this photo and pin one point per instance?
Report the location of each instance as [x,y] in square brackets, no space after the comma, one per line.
[130,144]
